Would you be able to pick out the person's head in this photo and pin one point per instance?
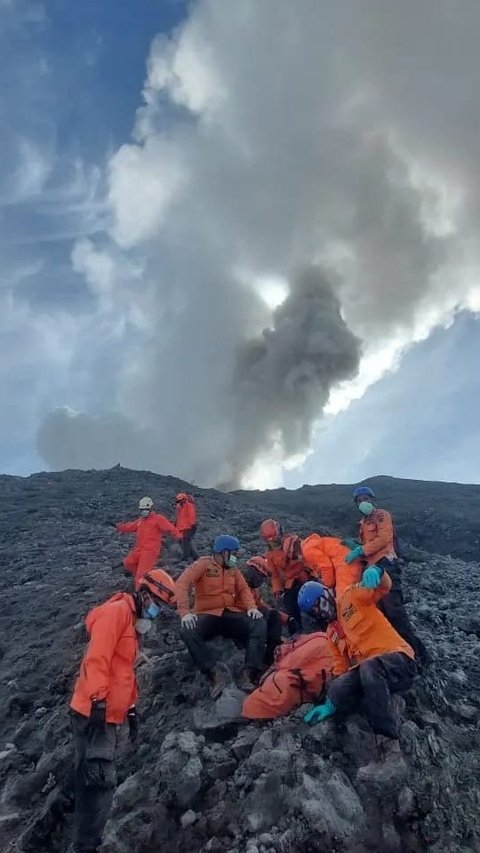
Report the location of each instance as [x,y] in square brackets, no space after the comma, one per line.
[364,498]
[291,547]
[156,590]
[318,601]
[181,499]
[271,531]
[256,572]
[145,507]
[225,549]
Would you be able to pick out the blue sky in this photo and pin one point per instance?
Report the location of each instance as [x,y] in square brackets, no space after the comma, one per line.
[168,173]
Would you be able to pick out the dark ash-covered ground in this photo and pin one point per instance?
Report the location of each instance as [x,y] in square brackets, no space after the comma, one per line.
[190,785]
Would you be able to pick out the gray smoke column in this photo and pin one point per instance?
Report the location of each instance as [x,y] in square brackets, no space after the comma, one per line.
[284,377]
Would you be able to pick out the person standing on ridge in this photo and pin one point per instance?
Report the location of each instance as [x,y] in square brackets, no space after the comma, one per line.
[288,572]
[224,606]
[378,547]
[370,659]
[104,697]
[186,524]
[150,529]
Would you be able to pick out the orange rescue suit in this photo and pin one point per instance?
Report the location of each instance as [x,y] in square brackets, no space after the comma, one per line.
[148,545]
[299,673]
[186,515]
[283,574]
[107,669]
[377,536]
[216,589]
[362,631]
[325,555]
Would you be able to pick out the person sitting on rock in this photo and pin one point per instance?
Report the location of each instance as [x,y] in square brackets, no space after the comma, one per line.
[286,572]
[370,659]
[186,524]
[149,529]
[224,606]
[256,574]
[378,547]
[104,697]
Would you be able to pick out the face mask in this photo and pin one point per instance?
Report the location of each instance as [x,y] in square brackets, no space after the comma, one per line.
[231,562]
[366,507]
[151,611]
[143,626]
[144,513]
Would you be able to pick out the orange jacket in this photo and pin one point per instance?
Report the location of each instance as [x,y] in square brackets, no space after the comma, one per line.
[325,555]
[362,631]
[107,669]
[216,589]
[149,531]
[283,574]
[376,536]
[186,514]
[301,669]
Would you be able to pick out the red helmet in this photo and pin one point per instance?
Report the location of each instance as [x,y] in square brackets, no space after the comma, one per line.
[261,565]
[291,547]
[270,529]
[160,586]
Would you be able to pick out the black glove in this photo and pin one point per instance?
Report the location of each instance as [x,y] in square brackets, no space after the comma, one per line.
[133,724]
[98,714]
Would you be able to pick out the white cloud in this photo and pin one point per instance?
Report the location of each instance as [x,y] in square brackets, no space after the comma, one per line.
[274,136]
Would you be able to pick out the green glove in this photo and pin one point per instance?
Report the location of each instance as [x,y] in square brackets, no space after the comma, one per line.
[371,578]
[354,555]
[319,712]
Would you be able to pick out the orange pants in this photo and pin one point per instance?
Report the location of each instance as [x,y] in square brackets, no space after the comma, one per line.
[138,562]
[279,694]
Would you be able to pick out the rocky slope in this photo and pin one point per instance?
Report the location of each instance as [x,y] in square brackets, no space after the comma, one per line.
[192,784]
[441,518]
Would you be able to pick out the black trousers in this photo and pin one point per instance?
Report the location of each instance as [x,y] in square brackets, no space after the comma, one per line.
[94,781]
[189,550]
[393,607]
[274,633]
[251,633]
[369,687]
[290,603]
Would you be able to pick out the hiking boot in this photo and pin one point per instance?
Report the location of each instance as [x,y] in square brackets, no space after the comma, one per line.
[244,681]
[219,681]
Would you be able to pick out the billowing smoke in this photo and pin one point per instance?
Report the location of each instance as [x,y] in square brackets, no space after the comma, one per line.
[272,137]
[283,378]
[69,439]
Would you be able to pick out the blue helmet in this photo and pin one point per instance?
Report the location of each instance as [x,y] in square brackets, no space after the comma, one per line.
[225,543]
[312,593]
[309,594]
[363,492]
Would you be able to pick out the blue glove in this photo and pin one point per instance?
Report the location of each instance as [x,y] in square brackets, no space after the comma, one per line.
[371,578]
[319,712]
[354,555]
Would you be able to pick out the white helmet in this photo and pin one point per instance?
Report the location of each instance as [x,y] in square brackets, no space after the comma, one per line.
[146,503]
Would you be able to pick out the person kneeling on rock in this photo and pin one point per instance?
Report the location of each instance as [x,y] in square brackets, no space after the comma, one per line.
[104,697]
[224,606]
[370,659]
